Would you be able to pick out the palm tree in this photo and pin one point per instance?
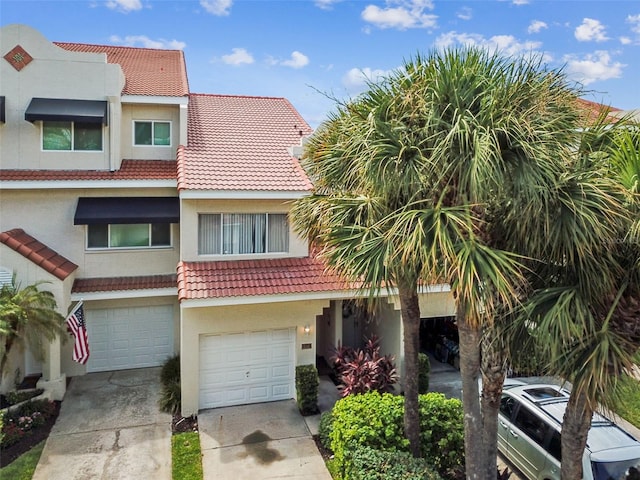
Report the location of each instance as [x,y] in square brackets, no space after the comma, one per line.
[418,180]
[27,316]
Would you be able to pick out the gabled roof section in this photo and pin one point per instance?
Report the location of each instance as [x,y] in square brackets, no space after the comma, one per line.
[36,251]
[593,110]
[113,284]
[147,71]
[242,143]
[241,278]
[129,170]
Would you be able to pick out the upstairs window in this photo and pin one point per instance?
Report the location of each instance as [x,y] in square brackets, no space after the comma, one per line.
[152,133]
[71,136]
[242,233]
[131,235]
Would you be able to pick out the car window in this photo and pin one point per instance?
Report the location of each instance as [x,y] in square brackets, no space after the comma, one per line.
[554,445]
[533,426]
[507,405]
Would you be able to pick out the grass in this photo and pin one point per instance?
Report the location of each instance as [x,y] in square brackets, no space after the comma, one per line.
[628,405]
[186,456]
[24,466]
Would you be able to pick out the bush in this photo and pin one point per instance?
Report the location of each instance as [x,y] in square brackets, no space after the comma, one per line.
[307,389]
[19,423]
[365,370]
[171,392]
[325,428]
[370,464]
[376,420]
[424,369]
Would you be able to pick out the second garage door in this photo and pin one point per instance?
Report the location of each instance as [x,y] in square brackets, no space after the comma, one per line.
[246,367]
[134,337]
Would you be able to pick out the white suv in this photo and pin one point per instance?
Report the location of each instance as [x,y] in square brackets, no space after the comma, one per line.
[529,425]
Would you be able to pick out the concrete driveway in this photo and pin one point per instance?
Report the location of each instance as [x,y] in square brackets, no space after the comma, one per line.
[262,441]
[109,427]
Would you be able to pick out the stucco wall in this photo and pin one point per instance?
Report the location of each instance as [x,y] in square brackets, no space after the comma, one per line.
[189,226]
[132,112]
[241,318]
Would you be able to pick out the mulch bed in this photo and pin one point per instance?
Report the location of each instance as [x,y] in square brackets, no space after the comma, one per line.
[9,454]
[181,424]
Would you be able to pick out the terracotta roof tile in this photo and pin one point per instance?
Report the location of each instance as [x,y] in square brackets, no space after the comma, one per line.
[593,110]
[112,284]
[147,71]
[129,170]
[255,277]
[241,143]
[37,252]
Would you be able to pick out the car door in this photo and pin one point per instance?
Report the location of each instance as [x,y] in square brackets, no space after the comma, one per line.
[526,439]
[508,406]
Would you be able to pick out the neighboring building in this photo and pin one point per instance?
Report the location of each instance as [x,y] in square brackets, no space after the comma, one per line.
[165,212]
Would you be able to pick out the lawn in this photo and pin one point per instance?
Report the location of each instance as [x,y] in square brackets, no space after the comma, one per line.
[628,405]
[24,466]
[186,456]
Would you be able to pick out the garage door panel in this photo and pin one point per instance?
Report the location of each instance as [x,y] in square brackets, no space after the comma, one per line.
[247,367]
[129,337]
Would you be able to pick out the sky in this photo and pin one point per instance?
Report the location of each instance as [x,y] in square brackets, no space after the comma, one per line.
[318,52]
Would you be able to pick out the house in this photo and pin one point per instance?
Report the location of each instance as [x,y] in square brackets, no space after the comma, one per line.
[165,213]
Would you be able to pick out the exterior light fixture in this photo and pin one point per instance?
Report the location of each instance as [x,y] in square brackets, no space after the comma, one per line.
[307,329]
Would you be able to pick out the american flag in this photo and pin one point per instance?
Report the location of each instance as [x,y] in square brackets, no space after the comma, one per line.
[76,324]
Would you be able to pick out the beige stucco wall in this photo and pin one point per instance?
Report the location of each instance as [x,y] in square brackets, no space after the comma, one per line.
[28,273]
[53,73]
[190,209]
[437,304]
[241,318]
[132,112]
[48,216]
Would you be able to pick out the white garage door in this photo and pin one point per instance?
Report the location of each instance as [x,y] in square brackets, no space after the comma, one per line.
[136,337]
[247,367]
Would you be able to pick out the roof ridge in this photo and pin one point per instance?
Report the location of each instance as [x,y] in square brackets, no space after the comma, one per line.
[130,47]
[229,95]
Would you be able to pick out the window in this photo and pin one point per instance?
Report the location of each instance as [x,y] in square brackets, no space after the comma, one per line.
[507,406]
[242,233]
[135,235]
[531,425]
[68,136]
[152,133]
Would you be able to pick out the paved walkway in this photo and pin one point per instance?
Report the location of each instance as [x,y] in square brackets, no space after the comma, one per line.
[109,428]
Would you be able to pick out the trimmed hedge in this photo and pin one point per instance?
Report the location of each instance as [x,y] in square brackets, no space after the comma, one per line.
[325,428]
[369,464]
[307,389]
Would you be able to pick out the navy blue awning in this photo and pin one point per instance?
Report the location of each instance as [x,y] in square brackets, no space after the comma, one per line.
[118,210]
[58,109]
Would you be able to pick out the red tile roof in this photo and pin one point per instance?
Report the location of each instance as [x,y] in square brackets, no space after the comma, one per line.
[241,143]
[243,278]
[593,110]
[147,71]
[30,248]
[129,170]
[112,284]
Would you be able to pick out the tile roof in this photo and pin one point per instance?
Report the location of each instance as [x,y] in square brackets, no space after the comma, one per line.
[129,170]
[147,71]
[241,143]
[592,110]
[112,284]
[37,252]
[241,278]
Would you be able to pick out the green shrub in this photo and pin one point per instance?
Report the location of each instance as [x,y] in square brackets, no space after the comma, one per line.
[370,464]
[171,392]
[441,431]
[325,428]
[307,389]
[376,420]
[424,369]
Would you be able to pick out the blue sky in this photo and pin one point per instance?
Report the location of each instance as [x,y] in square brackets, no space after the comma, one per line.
[312,50]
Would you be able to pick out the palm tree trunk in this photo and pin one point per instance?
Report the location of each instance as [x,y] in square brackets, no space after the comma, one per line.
[493,373]
[475,455]
[410,308]
[575,428]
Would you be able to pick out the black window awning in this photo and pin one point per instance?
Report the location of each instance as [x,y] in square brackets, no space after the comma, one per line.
[58,109]
[2,115]
[103,210]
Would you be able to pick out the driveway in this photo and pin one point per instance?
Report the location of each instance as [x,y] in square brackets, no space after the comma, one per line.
[109,427]
[262,441]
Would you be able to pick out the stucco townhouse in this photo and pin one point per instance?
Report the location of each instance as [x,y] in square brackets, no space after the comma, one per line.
[165,213]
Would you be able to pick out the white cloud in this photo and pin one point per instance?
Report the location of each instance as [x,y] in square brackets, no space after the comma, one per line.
[239,56]
[465,13]
[219,8]
[146,42]
[625,40]
[505,44]
[125,6]
[593,67]
[591,30]
[520,2]
[356,79]
[297,60]
[325,4]
[408,14]
[634,20]
[536,26]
